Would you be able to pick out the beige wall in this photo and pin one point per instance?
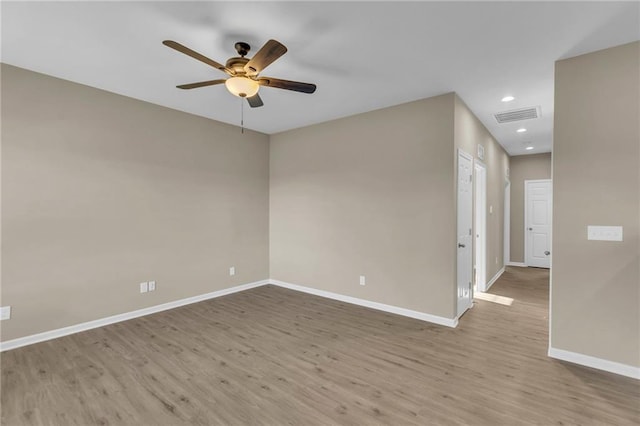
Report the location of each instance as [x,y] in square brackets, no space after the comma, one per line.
[469,133]
[373,195]
[596,164]
[101,192]
[523,167]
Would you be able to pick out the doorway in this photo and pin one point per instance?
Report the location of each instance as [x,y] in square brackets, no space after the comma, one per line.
[464,230]
[480,209]
[537,220]
[507,223]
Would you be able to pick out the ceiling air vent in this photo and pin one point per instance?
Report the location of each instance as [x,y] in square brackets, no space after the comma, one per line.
[518,114]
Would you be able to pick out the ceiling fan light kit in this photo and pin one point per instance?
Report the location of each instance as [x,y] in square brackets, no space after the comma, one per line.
[243,72]
[243,87]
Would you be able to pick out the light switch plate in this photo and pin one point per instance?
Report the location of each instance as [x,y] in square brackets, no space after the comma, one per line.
[152,285]
[144,287]
[232,271]
[363,280]
[604,233]
[5,313]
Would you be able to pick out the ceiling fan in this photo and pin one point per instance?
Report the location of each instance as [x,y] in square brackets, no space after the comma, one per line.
[244,80]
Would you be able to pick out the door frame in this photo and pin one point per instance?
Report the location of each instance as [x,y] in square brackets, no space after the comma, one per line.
[526,216]
[469,157]
[506,245]
[480,221]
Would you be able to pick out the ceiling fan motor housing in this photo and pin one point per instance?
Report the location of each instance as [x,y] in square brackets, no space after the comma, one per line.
[237,65]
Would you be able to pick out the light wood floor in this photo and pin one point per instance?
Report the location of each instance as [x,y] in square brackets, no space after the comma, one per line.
[274,356]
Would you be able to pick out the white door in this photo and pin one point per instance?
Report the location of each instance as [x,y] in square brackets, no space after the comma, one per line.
[465,215]
[537,221]
[481,226]
[507,223]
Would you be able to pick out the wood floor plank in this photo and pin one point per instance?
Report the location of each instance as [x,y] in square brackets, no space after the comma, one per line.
[271,356]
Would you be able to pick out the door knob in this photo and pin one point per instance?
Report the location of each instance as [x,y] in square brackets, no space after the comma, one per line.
[530,229]
[547,253]
[461,245]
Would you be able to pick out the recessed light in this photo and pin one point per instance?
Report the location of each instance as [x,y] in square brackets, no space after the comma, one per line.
[521,130]
[529,148]
[508,99]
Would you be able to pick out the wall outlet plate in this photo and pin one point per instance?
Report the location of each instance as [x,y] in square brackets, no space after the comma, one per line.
[363,280]
[152,285]
[232,271]
[144,287]
[5,313]
[480,152]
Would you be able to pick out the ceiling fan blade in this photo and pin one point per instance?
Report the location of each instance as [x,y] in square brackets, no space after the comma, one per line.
[201,84]
[287,84]
[268,53]
[255,101]
[195,55]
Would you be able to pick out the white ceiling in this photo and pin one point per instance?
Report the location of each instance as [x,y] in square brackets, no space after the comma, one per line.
[362,55]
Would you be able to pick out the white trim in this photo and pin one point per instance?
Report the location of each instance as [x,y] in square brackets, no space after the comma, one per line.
[77,328]
[466,155]
[65,331]
[518,264]
[461,310]
[495,278]
[480,215]
[449,322]
[593,362]
[506,244]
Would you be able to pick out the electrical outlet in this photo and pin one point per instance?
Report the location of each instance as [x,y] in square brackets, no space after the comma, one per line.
[144,287]
[232,271]
[363,280]
[5,313]
[152,286]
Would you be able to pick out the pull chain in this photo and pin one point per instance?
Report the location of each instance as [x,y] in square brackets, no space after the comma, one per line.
[242,115]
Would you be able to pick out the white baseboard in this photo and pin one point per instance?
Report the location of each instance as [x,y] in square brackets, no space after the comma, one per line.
[77,328]
[495,278]
[449,322]
[518,264]
[65,331]
[593,362]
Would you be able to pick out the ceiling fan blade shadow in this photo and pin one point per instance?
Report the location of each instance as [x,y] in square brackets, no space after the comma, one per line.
[200,84]
[296,86]
[195,55]
[255,101]
[267,54]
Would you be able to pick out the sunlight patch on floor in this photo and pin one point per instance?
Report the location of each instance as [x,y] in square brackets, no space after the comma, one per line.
[493,298]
